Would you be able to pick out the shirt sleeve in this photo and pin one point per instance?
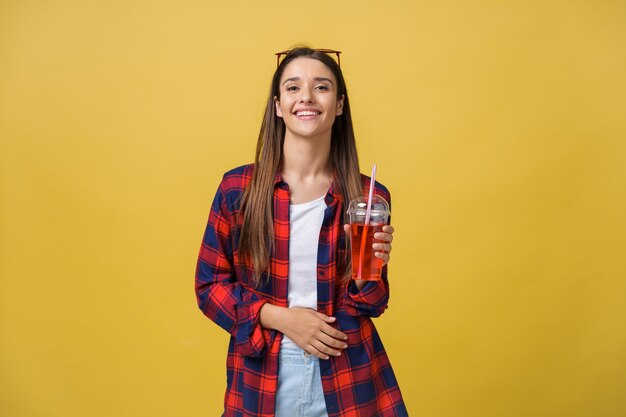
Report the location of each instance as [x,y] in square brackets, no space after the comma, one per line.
[371,300]
[220,294]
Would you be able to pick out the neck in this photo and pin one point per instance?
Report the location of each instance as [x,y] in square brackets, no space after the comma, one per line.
[305,156]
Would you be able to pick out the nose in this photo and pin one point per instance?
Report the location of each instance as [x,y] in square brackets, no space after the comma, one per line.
[306,95]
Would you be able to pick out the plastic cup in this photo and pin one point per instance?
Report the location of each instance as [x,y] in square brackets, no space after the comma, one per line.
[366,266]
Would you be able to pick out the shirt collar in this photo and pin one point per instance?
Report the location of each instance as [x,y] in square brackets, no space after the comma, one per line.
[333,192]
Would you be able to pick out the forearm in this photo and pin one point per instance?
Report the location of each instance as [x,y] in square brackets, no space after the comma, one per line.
[360,283]
[270,317]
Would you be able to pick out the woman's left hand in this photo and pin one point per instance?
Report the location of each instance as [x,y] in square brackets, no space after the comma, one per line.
[383,247]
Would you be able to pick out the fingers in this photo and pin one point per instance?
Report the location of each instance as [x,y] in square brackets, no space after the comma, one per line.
[388,229]
[328,341]
[334,333]
[383,251]
[384,247]
[384,256]
[331,331]
[315,351]
[332,343]
[386,234]
[323,316]
[326,318]
[326,346]
[324,351]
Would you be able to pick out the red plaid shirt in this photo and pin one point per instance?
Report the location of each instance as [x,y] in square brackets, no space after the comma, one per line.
[360,382]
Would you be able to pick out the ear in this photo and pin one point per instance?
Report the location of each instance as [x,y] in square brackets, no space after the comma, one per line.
[339,109]
[279,113]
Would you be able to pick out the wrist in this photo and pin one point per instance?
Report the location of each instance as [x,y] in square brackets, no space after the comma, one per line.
[269,316]
[359,283]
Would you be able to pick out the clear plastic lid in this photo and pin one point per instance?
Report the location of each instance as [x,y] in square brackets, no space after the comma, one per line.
[379,212]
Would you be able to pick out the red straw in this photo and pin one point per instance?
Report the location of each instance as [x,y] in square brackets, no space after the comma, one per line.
[367,221]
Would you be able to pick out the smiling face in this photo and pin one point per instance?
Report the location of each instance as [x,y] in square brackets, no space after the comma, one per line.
[308,98]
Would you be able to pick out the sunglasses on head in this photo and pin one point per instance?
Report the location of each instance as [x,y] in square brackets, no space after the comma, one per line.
[326,51]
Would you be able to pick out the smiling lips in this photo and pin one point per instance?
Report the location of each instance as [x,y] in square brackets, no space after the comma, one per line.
[307,114]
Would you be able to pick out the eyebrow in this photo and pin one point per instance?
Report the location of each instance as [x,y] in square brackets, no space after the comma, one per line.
[316,79]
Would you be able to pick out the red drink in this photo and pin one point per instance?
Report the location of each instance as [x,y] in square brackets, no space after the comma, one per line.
[363,259]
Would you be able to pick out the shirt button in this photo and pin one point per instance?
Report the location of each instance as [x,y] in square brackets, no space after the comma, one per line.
[322,273]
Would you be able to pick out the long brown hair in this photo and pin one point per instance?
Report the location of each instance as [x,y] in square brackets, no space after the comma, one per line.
[257,234]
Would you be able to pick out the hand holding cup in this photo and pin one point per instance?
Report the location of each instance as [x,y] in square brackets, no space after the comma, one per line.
[383,247]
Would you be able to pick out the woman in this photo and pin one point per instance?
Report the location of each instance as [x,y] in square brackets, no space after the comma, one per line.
[274,270]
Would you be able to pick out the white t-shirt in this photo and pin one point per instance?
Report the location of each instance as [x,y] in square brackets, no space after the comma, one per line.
[305,223]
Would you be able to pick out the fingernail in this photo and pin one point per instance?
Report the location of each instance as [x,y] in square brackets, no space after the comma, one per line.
[333,318]
[345,346]
[338,354]
[326,357]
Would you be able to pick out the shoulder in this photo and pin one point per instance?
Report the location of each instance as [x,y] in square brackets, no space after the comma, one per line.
[234,183]
[380,189]
[237,178]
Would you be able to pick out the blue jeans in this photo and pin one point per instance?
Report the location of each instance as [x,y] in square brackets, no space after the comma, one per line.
[300,392]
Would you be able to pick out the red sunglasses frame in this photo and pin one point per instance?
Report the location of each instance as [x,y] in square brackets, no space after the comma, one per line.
[326,51]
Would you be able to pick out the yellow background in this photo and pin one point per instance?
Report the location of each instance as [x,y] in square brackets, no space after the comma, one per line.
[499,128]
